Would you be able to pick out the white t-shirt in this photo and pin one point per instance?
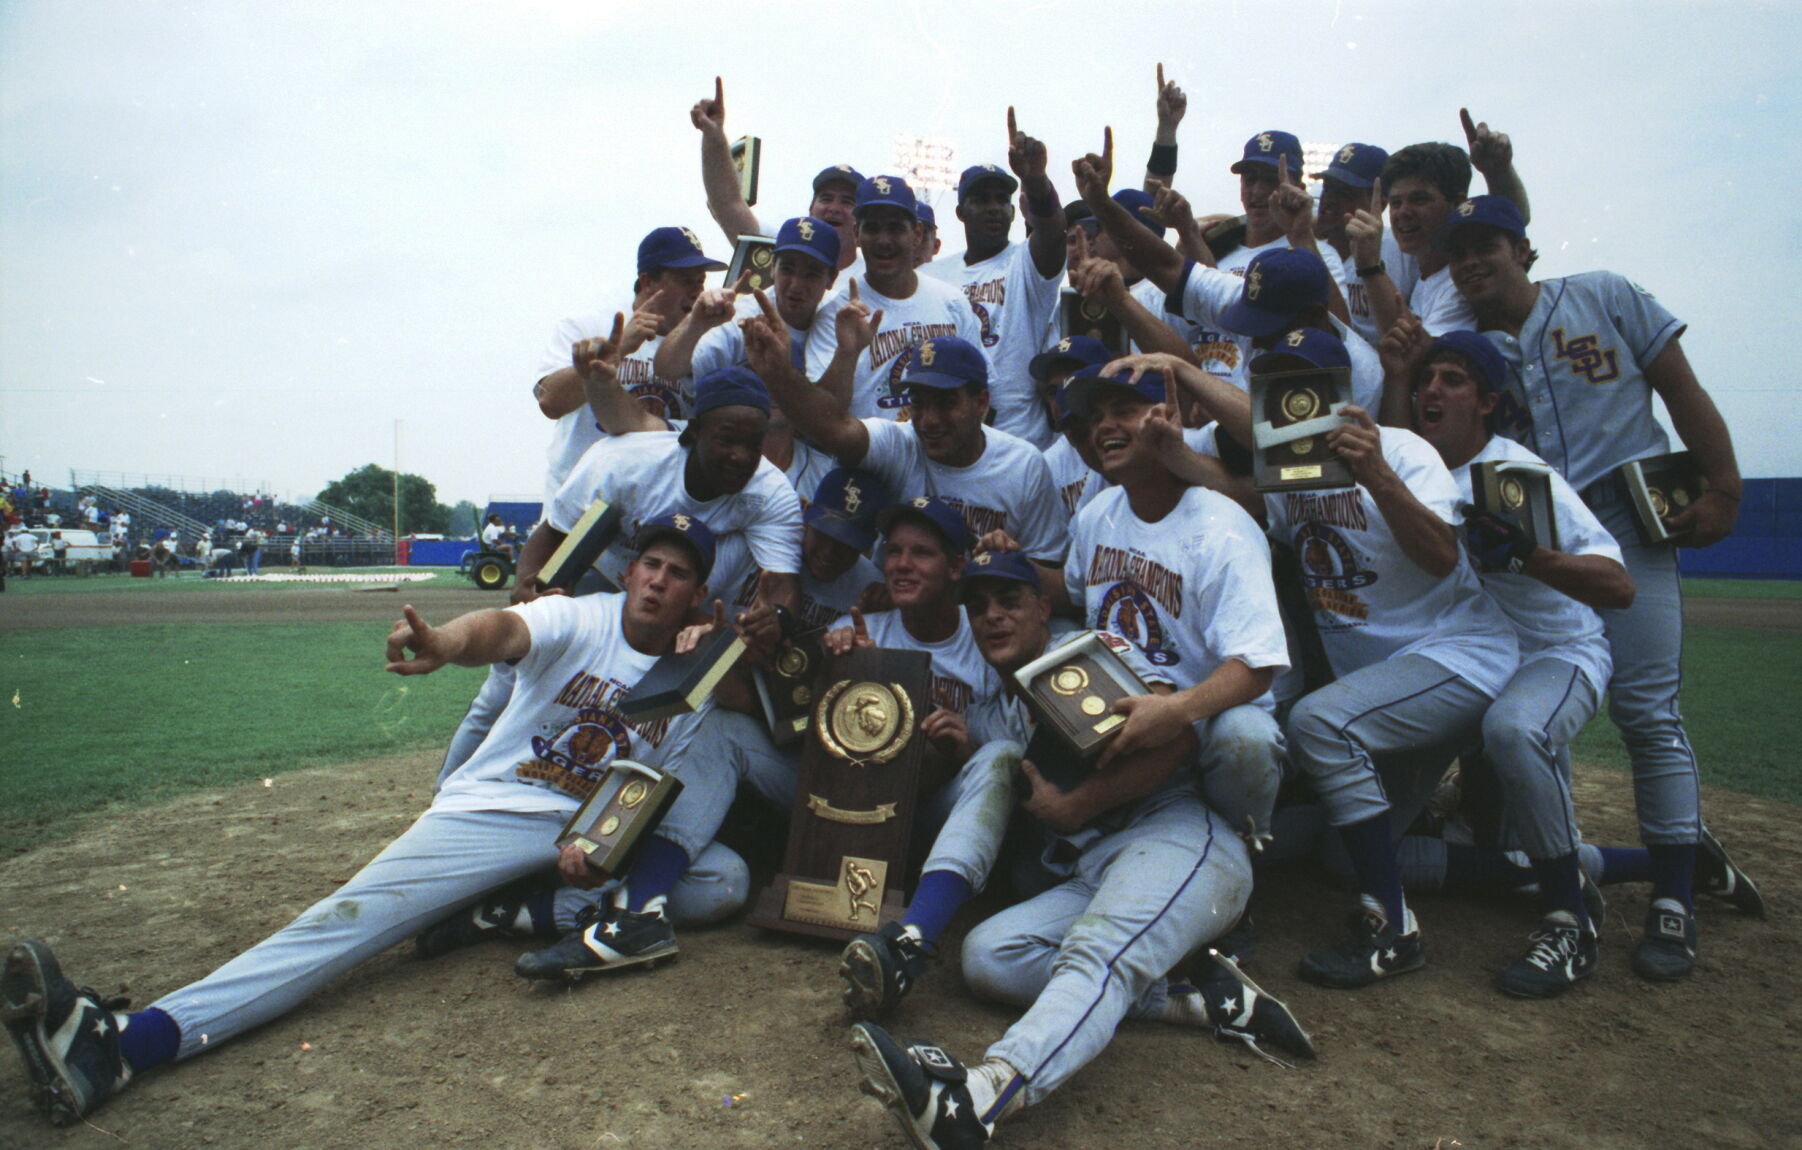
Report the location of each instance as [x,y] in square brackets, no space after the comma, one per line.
[961,677]
[491,534]
[1008,487]
[1191,590]
[820,603]
[1402,271]
[1208,292]
[724,346]
[561,728]
[1371,602]
[806,467]
[1007,716]
[935,310]
[1549,623]
[1440,306]
[643,473]
[577,431]
[1012,303]
[1076,481]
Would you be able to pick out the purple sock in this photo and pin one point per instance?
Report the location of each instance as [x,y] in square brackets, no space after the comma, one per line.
[1673,871]
[1372,851]
[1561,885]
[659,868]
[1482,868]
[1625,864]
[150,1038]
[937,898]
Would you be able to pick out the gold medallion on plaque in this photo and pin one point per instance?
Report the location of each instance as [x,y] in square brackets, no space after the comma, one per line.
[1301,446]
[1513,494]
[763,257]
[1301,404]
[633,794]
[1069,679]
[610,825]
[1680,497]
[1660,505]
[1093,310]
[1093,705]
[792,661]
[801,695]
[864,722]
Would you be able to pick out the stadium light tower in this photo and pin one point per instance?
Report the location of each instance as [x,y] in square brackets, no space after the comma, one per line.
[927,163]
[1315,159]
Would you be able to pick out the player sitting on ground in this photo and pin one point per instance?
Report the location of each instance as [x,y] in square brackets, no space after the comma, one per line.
[1143,874]
[493,823]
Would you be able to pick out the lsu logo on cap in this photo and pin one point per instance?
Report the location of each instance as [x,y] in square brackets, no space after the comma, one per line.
[853,497]
[1265,143]
[841,167]
[882,184]
[1346,153]
[984,559]
[928,353]
[1254,283]
[1294,338]
[923,501]
[805,227]
[1064,344]
[990,168]
[692,238]
[682,522]
[1467,208]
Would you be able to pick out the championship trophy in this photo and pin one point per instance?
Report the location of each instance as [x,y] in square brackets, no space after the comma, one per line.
[852,821]
[1071,691]
[620,814]
[747,160]
[1291,413]
[1661,486]
[599,526]
[1520,490]
[1079,316]
[757,255]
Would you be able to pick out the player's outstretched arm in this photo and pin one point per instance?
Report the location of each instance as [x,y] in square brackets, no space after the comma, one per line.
[1155,259]
[1698,421]
[596,364]
[540,545]
[1044,214]
[1293,208]
[1172,209]
[1427,540]
[1100,280]
[473,640]
[1402,349]
[676,354]
[720,179]
[1492,153]
[818,416]
[1593,580]
[1172,103]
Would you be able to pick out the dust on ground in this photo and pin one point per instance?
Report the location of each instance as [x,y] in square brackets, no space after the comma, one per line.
[742,1041]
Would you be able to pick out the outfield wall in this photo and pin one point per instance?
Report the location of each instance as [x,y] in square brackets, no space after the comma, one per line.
[1765,544]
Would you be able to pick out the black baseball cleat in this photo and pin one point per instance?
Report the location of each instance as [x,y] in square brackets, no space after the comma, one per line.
[1719,876]
[1667,950]
[497,916]
[1372,950]
[66,1034]
[922,1086]
[605,938]
[1242,1011]
[1239,944]
[880,969]
[1559,953]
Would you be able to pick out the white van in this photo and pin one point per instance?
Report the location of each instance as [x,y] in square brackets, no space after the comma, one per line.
[84,546]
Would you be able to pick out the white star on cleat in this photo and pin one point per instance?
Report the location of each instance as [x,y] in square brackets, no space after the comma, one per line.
[1389,954]
[100,1028]
[951,1108]
[612,929]
[1229,1006]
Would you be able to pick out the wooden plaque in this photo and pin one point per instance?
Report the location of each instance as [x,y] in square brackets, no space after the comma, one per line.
[1660,486]
[1079,316]
[1520,490]
[852,821]
[757,255]
[1072,689]
[1291,413]
[619,815]
[747,158]
[678,684]
[786,689]
[1225,237]
[599,526]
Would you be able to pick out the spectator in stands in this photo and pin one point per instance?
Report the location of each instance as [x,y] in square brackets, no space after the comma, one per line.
[59,554]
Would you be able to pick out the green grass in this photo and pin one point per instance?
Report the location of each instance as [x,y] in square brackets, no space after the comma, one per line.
[1744,588]
[191,582]
[97,716]
[1738,691]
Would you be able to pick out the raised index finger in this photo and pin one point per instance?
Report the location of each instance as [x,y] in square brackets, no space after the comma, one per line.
[1107,146]
[619,329]
[1470,125]
[769,309]
[1282,169]
[1013,129]
[857,624]
[1160,78]
[854,298]
[719,93]
[1376,197]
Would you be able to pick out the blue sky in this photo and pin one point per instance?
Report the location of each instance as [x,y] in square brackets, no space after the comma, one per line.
[244,240]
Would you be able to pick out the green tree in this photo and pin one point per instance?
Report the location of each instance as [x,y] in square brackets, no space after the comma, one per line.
[369,492]
[465,520]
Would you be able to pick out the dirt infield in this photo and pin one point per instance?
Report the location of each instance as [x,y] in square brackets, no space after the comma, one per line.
[401,1052]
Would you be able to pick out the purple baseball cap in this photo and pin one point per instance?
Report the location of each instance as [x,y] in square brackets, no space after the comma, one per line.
[1489,211]
[885,192]
[1267,148]
[945,363]
[1010,565]
[689,529]
[1279,285]
[809,237]
[945,520]
[674,248]
[1319,348]
[1080,391]
[926,215]
[845,506]
[1081,350]
[978,173]
[1478,351]
[1357,165]
[730,387]
[838,174]
[1138,201]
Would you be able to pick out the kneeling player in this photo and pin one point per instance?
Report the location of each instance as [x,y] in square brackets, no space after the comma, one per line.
[1150,874]
[493,823]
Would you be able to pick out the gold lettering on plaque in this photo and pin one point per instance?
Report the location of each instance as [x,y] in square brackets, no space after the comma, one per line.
[1293,474]
[853,902]
[819,806]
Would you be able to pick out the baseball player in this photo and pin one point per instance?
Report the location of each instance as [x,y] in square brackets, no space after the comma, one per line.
[1012,288]
[1549,594]
[907,308]
[1075,468]
[930,243]
[1419,651]
[1346,189]
[998,482]
[834,189]
[1585,355]
[1142,874]
[495,822]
